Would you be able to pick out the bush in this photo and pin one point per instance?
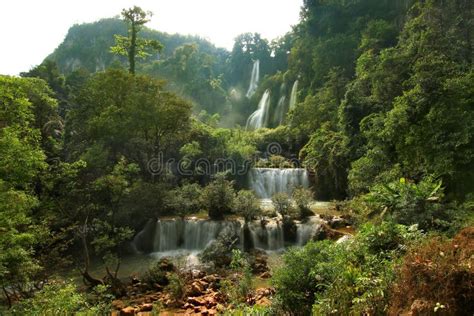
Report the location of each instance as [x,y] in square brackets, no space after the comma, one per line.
[283,205]
[304,273]
[184,200]
[158,273]
[303,198]
[409,203]
[54,299]
[219,252]
[176,286]
[439,275]
[351,278]
[218,197]
[247,205]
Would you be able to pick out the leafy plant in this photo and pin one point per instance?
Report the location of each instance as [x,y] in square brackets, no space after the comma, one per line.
[409,203]
[303,198]
[247,205]
[218,197]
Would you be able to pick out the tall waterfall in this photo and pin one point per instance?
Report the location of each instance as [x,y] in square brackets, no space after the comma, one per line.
[265,182]
[259,118]
[281,108]
[254,78]
[293,97]
[194,234]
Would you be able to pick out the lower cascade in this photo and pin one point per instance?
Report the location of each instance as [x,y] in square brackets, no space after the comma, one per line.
[265,182]
[195,234]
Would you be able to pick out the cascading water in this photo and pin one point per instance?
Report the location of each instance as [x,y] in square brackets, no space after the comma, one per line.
[193,235]
[254,78]
[190,234]
[259,118]
[265,182]
[293,96]
[281,108]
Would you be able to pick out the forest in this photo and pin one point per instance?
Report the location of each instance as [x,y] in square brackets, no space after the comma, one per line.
[326,172]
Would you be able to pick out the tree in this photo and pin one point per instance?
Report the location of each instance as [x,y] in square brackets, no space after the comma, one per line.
[247,205]
[132,46]
[120,114]
[218,196]
[21,161]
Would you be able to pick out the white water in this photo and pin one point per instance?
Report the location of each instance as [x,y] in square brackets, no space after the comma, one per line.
[254,78]
[293,96]
[259,118]
[189,234]
[186,238]
[265,182]
[280,110]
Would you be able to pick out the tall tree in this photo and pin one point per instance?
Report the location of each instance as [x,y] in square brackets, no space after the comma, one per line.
[132,46]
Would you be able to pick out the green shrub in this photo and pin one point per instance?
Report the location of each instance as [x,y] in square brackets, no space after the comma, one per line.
[219,252]
[283,205]
[409,203]
[255,310]
[176,286]
[156,274]
[247,205]
[218,197]
[53,299]
[350,278]
[303,198]
[184,200]
[305,271]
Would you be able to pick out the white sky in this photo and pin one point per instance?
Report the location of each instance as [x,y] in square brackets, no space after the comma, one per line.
[32,29]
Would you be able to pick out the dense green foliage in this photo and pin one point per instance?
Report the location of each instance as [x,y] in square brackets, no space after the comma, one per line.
[384,115]
[351,277]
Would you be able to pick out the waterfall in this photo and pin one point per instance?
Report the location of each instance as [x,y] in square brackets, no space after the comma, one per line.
[190,234]
[293,96]
[268,237]
[254,77]
[307,230]
[280,110]
[193,235]
[259,118]
[265,182]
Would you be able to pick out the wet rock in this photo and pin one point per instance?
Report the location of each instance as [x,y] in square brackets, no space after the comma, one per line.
[118,304]
[264,301]
[166,265]
[128,311]
[344,239]
[148,307]
[196,289]
[196,301]
[265,275]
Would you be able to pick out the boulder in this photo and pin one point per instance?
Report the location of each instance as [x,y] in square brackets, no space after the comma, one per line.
[118,304]
[148,307]
[127,311]
[265,275]
[196,301]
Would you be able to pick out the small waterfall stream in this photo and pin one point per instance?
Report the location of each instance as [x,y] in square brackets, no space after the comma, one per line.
[259,118]
[293,96]
[254,78]
[265,182]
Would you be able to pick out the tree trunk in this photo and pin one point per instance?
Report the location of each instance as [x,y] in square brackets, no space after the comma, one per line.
[86,277]
[132,50]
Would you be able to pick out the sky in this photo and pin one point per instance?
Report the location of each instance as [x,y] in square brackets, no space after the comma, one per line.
[31,29]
